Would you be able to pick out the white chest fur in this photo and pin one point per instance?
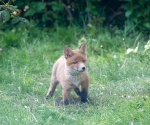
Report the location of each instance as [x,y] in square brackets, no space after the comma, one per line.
[74,79]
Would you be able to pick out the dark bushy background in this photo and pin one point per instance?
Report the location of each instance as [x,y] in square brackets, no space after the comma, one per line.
[111,13]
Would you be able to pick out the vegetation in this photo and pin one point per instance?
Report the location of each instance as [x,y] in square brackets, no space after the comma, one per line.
[119,82]
[33,34]
[123,14]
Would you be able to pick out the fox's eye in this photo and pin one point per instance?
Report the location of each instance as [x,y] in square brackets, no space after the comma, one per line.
[75,62]
[83,60]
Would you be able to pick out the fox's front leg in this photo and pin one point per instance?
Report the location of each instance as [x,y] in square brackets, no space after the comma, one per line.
[77,91]
[84,91]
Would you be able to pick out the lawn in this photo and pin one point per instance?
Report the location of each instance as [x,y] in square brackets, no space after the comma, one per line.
[119,83]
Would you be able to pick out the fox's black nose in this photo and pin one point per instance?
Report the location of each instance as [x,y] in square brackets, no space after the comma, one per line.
[83,68]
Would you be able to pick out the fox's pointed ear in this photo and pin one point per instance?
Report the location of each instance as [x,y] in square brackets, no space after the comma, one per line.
[82,48]
[68,52]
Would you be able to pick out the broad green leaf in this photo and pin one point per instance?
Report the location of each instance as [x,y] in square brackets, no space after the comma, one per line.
[15,20]
[128,13]
[140,2]
[147,25]
[128,28]
[147,10]
[45,17]
[35,7]
[126,7]
[12,8]
[30,12]
[19,19]
[135,19]
[2,6]
[139,14]
[5,15]
[135,7]
[39,7]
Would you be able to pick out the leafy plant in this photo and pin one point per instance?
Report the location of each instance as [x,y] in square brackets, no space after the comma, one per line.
[42,13]
[8,12]
[35,7]
[137,14]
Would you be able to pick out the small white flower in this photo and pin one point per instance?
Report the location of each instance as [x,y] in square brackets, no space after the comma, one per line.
[42,105]
[26,8]
[115,56]
[36,100]
[41,83]
[129,96]
[15,13]
[118,120]
[101,93]
[19,88]
[114,103]
[26,106]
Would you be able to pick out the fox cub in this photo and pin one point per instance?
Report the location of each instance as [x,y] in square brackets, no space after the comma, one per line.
[70,71]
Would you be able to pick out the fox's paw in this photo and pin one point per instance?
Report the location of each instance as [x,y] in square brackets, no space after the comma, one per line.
[84,100]
[47,97]
[65,102]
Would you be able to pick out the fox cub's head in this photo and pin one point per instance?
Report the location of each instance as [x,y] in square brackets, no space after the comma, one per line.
[76,59]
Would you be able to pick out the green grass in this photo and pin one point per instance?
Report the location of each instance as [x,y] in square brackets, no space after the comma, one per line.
[119,84]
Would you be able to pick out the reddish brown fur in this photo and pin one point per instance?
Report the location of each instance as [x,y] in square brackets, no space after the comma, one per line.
[69,71]
[76,57]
